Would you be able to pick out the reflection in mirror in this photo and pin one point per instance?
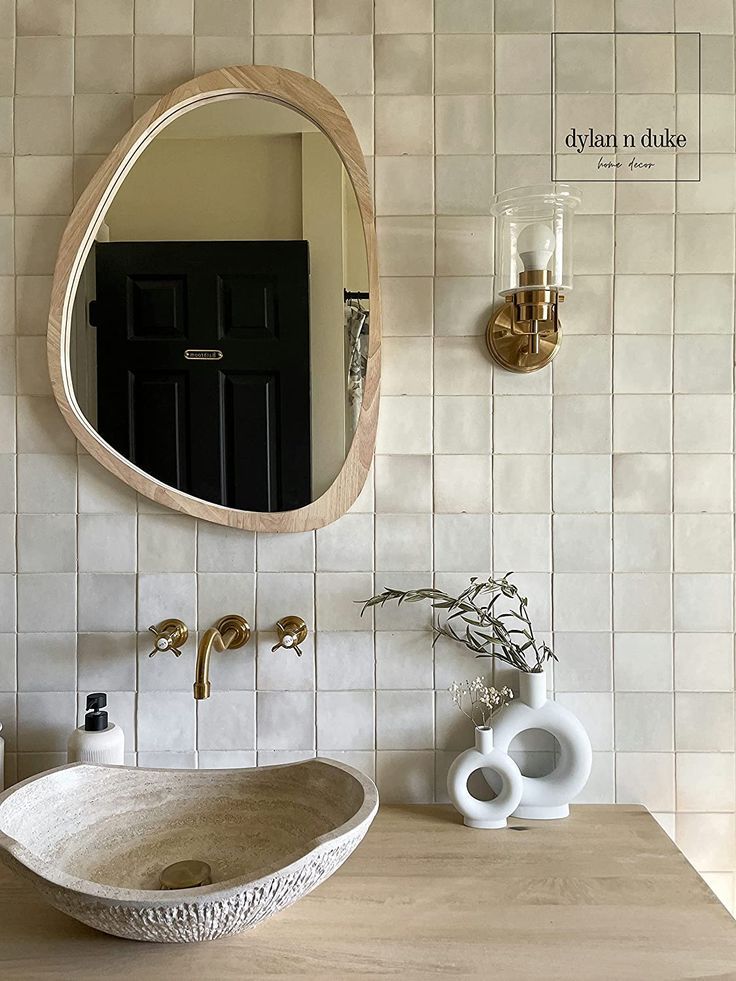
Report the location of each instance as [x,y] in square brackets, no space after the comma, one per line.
[212,342]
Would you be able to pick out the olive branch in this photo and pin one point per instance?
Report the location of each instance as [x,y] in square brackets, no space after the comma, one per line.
[507,636]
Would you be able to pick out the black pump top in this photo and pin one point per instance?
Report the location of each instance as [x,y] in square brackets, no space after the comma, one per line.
[94,719]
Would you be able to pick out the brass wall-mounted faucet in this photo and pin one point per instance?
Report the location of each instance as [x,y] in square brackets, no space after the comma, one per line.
[229,632]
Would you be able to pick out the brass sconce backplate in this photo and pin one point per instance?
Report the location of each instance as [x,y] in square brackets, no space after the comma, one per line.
[510,348]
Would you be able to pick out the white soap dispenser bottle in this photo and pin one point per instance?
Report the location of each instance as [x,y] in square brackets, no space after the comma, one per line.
[98,740]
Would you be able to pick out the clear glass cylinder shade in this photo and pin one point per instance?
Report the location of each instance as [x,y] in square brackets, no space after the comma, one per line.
[534,237]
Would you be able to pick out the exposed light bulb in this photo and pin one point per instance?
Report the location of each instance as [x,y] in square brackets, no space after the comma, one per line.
[535,245]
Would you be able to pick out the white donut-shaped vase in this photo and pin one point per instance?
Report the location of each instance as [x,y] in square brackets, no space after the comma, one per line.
[485,813]
[546,797]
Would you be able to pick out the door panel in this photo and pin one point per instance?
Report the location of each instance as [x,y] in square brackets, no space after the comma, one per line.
[247,306]
[250,461]
[156,306]
[163,396]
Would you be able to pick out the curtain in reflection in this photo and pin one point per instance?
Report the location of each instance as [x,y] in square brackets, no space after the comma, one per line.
[356,337]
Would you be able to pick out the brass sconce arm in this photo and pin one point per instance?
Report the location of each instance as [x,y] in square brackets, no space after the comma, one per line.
[229,632]
[525,334]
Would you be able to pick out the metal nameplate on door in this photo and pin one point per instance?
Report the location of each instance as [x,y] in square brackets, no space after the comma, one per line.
[202,354]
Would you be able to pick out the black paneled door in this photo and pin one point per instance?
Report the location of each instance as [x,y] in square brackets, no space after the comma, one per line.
[203,366]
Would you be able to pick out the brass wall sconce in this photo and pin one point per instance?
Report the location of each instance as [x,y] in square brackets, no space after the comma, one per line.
[534,268]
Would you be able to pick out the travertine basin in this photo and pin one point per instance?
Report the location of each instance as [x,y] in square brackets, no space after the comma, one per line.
[95,839]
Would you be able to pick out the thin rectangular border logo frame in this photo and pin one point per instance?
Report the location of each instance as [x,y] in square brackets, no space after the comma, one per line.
[553,105]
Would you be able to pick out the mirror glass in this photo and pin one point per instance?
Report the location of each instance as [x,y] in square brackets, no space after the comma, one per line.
[220,324]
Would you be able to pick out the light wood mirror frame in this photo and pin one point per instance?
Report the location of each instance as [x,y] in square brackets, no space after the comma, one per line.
[313,101]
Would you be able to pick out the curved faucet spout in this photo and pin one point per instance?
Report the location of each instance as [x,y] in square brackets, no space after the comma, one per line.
[210,638]
[229,632]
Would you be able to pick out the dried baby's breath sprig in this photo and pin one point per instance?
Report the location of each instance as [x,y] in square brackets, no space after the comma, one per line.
[507,636]
[482,700]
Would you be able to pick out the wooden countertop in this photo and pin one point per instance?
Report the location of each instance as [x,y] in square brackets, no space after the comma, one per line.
[604,894]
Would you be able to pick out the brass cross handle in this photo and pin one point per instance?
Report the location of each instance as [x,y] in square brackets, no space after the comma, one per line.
[170,636]
[292,632]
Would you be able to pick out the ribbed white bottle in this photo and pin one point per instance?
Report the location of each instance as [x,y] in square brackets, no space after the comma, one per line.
[106,746]
[98,740]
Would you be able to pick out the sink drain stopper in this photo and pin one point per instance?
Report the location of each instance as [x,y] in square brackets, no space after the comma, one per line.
[186,875]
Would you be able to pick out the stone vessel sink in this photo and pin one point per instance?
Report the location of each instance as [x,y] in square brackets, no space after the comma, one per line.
[95,839]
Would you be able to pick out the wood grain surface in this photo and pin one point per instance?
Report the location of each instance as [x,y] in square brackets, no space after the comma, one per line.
[317,104]
[604,894]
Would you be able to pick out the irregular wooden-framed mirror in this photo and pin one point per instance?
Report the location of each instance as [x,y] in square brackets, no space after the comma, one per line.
[214,332]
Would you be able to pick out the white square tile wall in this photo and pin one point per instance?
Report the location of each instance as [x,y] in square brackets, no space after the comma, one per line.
[605,481]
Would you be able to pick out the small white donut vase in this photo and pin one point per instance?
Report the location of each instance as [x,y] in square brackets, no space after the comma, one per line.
[548,797]
[484,813]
